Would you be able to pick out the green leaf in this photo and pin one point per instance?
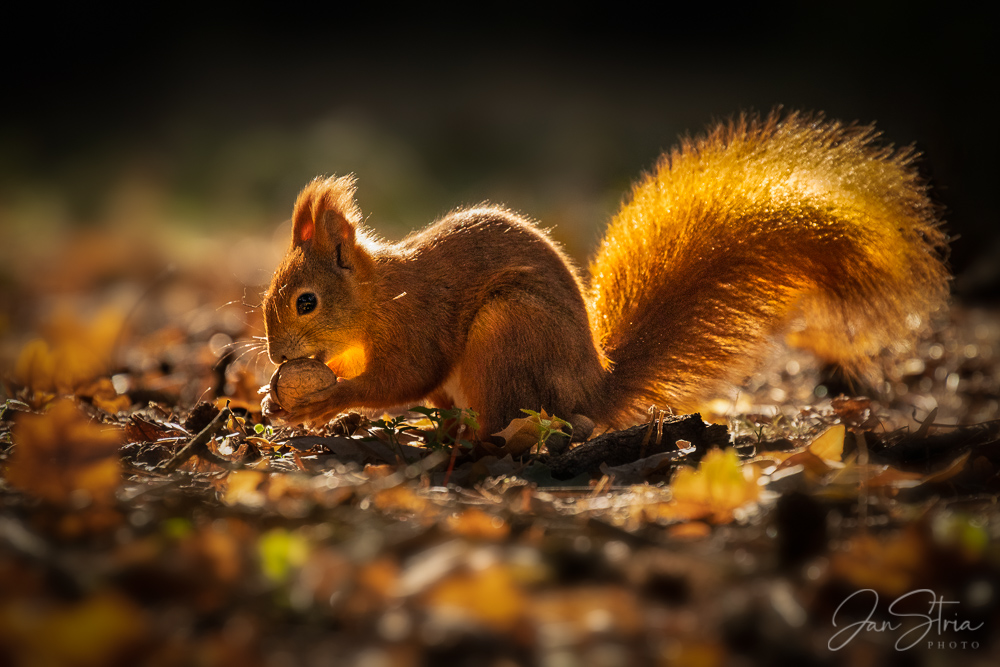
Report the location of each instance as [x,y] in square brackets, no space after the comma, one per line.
[280,551]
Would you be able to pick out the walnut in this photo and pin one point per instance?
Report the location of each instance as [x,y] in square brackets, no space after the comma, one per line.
[302,381]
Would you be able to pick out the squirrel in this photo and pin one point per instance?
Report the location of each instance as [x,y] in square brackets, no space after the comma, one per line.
[733,234]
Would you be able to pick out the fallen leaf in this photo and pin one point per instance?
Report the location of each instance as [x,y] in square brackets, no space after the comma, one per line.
[829,445]
[476,524]
[719,486]
[280,551]
[523,433]
[400,499]
[895,478]
[692,530]
[141,429]
[62,452]
[589,610]
[889,564]
[73,353]
[490,596]
[243,487]
[851,409]
[97,631]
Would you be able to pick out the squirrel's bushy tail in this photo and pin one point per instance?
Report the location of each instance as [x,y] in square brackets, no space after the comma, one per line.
[738,231]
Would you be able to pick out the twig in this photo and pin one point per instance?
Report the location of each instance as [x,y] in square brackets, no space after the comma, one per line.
[199,443]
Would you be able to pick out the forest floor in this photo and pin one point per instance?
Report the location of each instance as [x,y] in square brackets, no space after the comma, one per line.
[149,514]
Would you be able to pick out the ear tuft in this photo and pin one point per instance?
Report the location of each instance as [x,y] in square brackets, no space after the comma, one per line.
[326,209]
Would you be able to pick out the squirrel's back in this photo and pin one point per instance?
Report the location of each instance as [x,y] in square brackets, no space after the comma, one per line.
[736,232]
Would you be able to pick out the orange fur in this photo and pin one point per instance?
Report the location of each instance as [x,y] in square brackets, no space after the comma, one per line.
[736,231]
[733,233]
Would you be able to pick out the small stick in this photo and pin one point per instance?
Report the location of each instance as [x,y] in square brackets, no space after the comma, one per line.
[454,453]
[198,446]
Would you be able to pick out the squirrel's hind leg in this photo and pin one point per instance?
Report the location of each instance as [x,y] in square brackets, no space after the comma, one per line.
[518,356]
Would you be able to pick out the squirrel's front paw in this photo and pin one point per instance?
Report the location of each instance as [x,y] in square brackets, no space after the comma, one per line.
[271,409]
[316,414]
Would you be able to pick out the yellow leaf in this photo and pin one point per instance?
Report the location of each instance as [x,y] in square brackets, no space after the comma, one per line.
[490,596]
[477,524]
[74,353]
[243,488]
[719,480]
[280,551]
[104,396]
[719,486]
[400,499]
[692,530]
[887,564]
[97,631]
[35,366]
[829,445]
[63,451]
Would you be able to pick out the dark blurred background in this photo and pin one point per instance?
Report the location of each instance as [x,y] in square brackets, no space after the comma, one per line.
[205,121]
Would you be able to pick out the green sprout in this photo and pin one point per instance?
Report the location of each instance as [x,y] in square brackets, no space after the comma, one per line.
[445,422]
[548,426]
[392,428]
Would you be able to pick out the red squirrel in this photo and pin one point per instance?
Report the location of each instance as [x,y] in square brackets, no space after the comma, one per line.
[732,234]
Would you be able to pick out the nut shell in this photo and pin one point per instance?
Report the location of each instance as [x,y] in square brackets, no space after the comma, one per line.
[302,381]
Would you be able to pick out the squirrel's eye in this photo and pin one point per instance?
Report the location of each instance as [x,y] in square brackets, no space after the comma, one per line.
[306,303]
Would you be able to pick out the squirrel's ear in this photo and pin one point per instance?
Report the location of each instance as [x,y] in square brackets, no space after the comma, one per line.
[325,213]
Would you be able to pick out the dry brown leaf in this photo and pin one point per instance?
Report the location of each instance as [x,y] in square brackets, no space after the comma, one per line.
[523,433]
[140,429]
[816,466]
[949,471]
[519,436]
[851,409]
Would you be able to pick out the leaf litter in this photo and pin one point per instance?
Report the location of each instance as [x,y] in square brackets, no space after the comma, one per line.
[152,515]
